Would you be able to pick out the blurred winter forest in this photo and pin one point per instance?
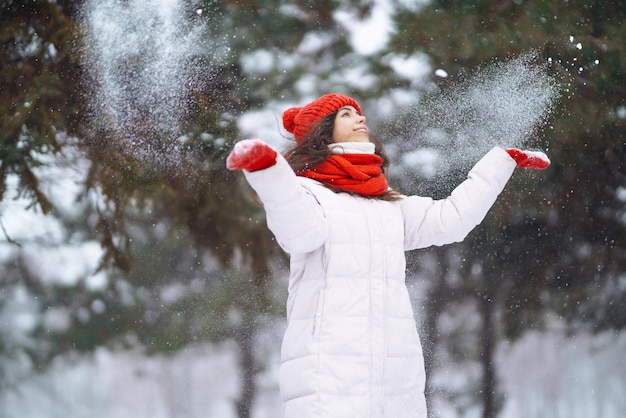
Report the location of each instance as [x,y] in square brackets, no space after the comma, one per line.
[132,241]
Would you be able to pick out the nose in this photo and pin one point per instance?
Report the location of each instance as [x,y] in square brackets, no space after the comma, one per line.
[361,119]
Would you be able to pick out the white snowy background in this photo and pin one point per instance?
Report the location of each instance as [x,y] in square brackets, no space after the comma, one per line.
[550,374]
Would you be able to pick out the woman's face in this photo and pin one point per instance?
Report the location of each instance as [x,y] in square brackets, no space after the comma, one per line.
[350,126]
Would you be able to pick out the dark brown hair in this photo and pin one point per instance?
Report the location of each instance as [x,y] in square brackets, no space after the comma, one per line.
[314,149]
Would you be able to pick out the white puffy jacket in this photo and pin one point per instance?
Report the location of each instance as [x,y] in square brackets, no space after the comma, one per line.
[351,347]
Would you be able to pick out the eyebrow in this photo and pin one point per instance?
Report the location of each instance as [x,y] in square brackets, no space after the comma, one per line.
[349,109]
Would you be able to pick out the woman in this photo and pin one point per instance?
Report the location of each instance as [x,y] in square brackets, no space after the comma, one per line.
[351,347]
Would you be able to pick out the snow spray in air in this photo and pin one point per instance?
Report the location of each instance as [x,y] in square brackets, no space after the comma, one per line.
[503,104]
[143,58]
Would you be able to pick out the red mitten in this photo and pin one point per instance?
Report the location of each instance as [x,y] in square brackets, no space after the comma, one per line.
[251,155]
[529,159]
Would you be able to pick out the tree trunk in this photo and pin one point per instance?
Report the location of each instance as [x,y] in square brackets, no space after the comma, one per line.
[435,304]
[245,341]
[488,384]
[255,301]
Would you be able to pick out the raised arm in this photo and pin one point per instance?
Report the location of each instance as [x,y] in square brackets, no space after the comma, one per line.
[293,214]
[437,222]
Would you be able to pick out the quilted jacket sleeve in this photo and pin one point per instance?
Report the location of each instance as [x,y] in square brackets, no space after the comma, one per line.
[293,214]
[437,222]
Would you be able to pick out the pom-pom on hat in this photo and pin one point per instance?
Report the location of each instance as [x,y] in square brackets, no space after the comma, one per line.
[298,120]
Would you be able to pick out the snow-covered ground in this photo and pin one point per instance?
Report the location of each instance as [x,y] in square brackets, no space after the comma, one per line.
[553,375]
[543,375]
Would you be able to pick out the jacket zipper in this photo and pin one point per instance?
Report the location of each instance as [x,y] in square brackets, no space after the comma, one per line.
[317,323]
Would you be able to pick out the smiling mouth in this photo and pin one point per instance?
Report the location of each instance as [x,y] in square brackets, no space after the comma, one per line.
[361,130]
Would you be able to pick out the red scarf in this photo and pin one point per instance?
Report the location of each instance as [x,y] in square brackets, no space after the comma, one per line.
[358,173]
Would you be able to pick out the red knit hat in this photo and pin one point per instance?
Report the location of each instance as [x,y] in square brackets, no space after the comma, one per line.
[298,120]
